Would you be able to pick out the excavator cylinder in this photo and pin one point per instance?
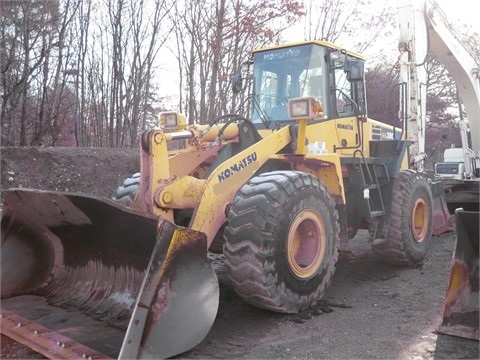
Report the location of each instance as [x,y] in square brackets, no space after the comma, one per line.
[461,305]
[83,276]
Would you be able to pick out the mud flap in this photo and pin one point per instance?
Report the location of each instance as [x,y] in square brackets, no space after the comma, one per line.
[442,220]
[118,266]
[461,305]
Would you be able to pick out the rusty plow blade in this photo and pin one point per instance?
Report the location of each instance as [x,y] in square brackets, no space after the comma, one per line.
[461,305]
[442,220]
[85,277]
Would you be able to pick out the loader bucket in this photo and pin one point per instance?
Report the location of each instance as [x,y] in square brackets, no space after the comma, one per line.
[461,305]
[442,220]
[85,277]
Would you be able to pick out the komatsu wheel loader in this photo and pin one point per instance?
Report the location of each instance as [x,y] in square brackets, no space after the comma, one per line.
[89,277]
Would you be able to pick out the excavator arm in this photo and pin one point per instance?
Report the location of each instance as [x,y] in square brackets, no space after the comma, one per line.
[423,28]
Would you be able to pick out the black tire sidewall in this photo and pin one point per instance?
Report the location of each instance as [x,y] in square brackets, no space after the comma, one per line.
[401,247]
[256,240]
[127,192]
[419,189]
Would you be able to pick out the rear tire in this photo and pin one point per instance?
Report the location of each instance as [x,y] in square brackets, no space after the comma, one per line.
[127,192]
[282,241]
[411,221]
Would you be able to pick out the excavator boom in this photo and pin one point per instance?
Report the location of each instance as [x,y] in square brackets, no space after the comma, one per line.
[424,27]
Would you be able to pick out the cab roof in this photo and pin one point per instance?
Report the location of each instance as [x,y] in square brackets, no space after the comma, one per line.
[315,42]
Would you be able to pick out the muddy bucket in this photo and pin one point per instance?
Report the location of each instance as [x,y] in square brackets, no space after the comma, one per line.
[461,305]
[83,276]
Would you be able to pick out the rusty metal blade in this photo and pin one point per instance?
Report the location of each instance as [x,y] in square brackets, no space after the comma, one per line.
[95,256]
[44,341]
[461,305]
[79,251]
[443,221]
[78,327]
[178,302]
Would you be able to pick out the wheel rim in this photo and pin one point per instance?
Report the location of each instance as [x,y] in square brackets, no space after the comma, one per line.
[306,244]
[419,219]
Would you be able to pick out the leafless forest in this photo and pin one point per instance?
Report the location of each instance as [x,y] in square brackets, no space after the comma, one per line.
[86,72]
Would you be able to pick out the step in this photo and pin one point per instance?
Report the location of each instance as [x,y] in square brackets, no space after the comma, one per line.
[379,241]
[377,213]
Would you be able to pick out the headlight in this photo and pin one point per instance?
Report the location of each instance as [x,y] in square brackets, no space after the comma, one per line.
[172,121]
[304,108]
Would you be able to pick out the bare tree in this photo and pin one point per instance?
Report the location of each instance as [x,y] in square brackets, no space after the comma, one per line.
[82,28]
[34,56]
[23,53]
[118,41]
[213,38]
[356,23]
[91,68]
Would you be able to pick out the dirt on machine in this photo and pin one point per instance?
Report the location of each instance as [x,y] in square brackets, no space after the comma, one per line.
[277,192]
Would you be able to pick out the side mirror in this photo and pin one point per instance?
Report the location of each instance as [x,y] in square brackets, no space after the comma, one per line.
[354,69]
[237,85]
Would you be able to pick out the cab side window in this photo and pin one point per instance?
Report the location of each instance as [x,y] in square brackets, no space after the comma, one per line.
[343,94]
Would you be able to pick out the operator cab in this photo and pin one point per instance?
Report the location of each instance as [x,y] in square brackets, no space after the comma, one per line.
[319,69]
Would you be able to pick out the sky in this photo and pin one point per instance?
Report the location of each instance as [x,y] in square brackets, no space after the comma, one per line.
[459,11]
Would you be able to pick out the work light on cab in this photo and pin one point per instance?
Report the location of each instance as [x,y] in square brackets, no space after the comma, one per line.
[304,108]
[172,121]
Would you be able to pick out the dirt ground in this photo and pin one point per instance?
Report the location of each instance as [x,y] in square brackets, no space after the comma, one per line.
[371,310]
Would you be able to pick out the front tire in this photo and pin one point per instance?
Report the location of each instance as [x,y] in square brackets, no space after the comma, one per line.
[411,221]
[127,192]
[282,241]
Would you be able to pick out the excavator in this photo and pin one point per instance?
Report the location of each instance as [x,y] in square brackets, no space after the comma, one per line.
[424,27]
[89,277]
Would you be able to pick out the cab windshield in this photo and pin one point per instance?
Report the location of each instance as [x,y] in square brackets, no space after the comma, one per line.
[283,74]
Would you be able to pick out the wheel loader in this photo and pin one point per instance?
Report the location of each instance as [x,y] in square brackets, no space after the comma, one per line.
[89,277]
